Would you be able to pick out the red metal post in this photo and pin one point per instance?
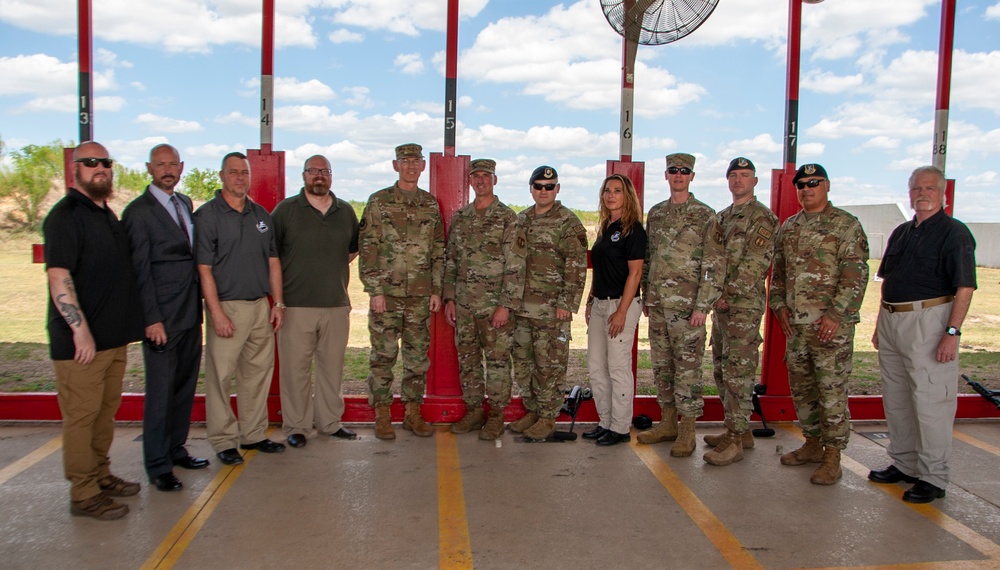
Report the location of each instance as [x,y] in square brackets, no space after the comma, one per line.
[85,45]
[451,80]
[943,100]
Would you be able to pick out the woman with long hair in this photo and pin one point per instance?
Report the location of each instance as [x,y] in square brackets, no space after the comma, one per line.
[613,307]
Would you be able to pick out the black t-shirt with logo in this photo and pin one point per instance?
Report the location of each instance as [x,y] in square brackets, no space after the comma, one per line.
[610,256]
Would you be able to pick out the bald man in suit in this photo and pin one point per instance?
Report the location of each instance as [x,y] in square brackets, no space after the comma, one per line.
[162,239]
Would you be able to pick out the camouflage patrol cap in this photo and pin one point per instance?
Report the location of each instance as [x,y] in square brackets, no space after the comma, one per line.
[544,173]
[680,159]
[409,150]
[740,163]
[809,170]
[483,165]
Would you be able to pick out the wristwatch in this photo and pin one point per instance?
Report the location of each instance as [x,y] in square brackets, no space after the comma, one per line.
[952,331]
[282,306]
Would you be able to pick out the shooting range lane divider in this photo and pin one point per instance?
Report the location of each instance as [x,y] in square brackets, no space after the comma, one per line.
[977,541]
[960,436]
[724,541]
[172,547]
[454,546]
[12,470]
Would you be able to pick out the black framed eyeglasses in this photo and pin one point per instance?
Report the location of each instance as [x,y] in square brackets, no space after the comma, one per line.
[93,162]
[679,170]
[318,171]
[808,183]
[549,187]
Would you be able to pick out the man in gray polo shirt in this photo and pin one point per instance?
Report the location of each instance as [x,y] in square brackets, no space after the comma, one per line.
[317,238]
[239,267]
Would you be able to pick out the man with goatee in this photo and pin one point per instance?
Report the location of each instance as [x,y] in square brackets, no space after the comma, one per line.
[317,237]
[93,315]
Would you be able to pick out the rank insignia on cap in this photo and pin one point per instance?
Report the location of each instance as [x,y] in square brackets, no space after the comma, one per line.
[810,169]
[743,162]
[548,173]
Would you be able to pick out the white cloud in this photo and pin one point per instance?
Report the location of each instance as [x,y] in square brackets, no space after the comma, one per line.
[410,63]
[110,59]
[826,82]
[357,96]
[69,104]
[36,74]
[993,12]
[137,85]
[235,117]
[389,15]
[881,142]
[211,150]
[165,124]
[869,119]
[343,36]
[988,178]
[291,89]
[133,153]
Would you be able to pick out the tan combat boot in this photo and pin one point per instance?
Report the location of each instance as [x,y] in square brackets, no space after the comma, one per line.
[829,472]
[666,430]
[728,450]
[810,452]
[716,439]
[524,423]
[542,429]
[383,423]
[414,422]
[494,426]
[685,444]
[474,419]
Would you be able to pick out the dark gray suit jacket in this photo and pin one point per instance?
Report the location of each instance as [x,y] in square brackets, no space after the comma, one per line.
[164,264]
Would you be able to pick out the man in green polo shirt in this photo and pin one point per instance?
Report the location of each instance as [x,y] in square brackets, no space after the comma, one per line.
[317,238]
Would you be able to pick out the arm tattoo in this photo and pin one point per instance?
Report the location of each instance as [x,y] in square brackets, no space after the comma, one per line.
[69,311]
[68,282]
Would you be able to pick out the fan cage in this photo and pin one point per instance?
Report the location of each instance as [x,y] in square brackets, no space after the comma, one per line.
[663,21]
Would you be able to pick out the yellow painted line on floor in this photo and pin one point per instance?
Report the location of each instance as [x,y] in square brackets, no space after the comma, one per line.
[984,545]
[966,438]
[180,536]
[454,546]
[12,470]
[720,536]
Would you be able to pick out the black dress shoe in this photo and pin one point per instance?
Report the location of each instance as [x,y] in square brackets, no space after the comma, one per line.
[188,462]
[923,492]
[230,456]
[595,433]
[166,482]
[297,440]
[265,446]
[612,438]
[890,475]
[344,433]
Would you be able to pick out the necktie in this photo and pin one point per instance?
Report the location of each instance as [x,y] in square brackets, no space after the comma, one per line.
[180,216]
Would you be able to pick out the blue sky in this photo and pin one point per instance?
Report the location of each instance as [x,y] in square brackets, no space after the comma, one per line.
[539,83]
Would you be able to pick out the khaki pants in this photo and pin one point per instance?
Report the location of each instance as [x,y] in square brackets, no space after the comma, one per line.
[310,333]
[89,395]
[609,362]
[249,357]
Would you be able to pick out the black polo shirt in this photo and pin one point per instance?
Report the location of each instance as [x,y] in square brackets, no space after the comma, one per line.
[610,256]
[931,260]
[238,245]
[92,244]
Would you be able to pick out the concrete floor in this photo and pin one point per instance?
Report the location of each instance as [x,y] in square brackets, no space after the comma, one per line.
[457,502]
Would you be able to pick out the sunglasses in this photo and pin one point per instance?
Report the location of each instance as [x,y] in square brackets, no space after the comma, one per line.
[318,171]
[808,183]
[93,162]
[675,170]
[549,187]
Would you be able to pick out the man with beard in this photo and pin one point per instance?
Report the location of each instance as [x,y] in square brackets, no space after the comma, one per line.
[238,266]
[161,231]
[93,315]
[317,238]
[928,276]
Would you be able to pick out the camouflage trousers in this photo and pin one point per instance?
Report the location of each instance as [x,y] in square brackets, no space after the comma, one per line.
[676,349]
[817,374]
[477,341]
[735,355]
[541,353]
[405,319]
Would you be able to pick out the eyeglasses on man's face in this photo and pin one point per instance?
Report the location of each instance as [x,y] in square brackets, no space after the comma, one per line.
[318,171]
[679,170]
[802,185]
[548,187]
[93,162]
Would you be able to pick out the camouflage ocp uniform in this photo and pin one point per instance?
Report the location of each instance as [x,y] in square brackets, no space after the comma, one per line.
[683,271]
[555,270]
[820,268]
[484,270]
[748,231]
[402,257]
